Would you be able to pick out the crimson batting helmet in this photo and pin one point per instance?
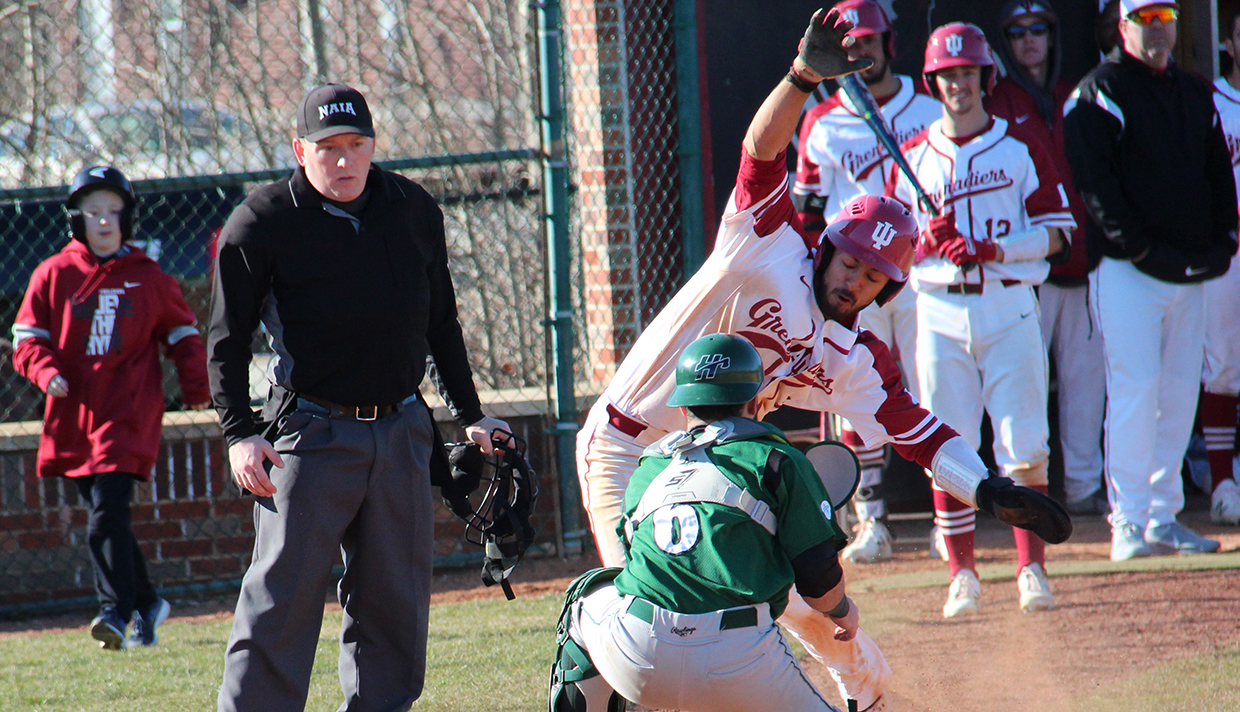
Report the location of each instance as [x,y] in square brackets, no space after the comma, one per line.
[958,44]
[868,18]
[95,178]
[880,232]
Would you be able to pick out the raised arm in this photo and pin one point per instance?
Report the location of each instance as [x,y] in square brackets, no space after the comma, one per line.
[821,55]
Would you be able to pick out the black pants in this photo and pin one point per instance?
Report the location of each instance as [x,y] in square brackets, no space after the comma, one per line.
[120,567]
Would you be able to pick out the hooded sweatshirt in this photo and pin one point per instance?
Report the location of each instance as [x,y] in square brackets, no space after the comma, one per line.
[1036,111]
[102,325]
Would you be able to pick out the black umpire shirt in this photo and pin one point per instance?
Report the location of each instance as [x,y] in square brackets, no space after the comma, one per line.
[353,305]
[1150,159]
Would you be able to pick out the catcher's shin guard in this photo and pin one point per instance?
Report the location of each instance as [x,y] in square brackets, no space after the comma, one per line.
[576,685]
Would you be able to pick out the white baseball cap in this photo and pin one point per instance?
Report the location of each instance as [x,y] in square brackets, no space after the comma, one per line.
[1127,7]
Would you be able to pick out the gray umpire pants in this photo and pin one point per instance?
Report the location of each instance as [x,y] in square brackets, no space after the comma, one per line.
[357,488]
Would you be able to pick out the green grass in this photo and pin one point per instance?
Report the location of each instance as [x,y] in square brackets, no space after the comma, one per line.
[482,656]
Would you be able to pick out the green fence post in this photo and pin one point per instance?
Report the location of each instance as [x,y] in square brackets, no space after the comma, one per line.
[689,135]
[555,201]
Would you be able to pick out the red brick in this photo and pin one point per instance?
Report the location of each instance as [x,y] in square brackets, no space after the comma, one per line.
[20,597]
[234,505]
[214,567]
[184,548]
[14,522]
[196,508]
[234,544]
[147,531]
[40,540]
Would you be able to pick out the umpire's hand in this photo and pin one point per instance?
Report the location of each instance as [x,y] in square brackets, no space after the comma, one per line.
[487,430]
[246,458]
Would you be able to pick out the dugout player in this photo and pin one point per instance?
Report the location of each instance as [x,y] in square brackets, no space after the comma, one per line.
[1163,222]
[345,266]
[1221,376]
[979,345]
[720,520]
[839,158]
[1032,96]
[765,281]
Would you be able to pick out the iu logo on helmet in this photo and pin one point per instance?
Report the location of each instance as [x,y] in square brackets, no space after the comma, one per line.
[850,15]
[884,233]
[955,43]
[708,366]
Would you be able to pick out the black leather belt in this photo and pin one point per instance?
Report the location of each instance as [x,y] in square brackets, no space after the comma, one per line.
[643,610]
[977,287]
[348,412]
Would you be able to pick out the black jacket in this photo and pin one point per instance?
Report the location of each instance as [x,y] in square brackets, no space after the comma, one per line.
[352,312]
[1149,157]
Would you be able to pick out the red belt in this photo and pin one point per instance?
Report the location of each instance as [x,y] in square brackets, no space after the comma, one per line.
[976,287]
[623,423]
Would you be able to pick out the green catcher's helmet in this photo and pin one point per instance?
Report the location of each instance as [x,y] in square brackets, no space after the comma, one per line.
[720,369]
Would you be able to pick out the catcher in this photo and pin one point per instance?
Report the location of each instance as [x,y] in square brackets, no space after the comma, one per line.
[719,521]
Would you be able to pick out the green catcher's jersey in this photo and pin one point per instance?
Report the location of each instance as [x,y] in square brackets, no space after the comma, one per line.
[702,556]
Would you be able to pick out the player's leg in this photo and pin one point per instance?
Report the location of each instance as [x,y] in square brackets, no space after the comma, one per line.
[1183,350]
[1012,358]
[1221,384]
[872,541]
[1076,346]
[270,653]
[110,540]
[858,666]
[1128,309]
[385,590]
[951,389]
[606,459]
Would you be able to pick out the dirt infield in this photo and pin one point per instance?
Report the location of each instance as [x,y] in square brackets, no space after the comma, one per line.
[1107,626]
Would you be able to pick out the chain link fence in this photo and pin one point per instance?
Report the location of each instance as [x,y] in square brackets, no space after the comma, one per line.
[194,100]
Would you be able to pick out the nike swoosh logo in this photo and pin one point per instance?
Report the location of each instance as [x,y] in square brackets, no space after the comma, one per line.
[1026,316]
[132,284]
[1194,271]
[1021,119]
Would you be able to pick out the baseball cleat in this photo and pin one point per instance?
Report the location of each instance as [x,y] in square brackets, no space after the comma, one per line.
[1128,542]
[108,629]
[873,543]
[1035,590]
[1175,538]
[963,594]
[938,543]
[1225,503]
[145,623]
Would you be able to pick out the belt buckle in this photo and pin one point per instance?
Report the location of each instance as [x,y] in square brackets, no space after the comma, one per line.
[373,410]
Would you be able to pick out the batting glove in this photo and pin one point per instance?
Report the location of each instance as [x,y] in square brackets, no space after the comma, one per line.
[822,48]
[957,250]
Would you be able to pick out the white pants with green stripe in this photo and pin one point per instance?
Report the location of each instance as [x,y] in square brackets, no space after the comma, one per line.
[692,662]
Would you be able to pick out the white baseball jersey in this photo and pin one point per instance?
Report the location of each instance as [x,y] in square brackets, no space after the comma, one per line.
[999,186]
[840,158]
[1221,374]
[756,283]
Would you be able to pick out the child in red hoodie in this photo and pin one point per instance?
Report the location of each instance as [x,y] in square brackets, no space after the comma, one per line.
[89,334]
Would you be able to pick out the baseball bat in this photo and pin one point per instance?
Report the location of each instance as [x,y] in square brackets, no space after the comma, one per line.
[873,117]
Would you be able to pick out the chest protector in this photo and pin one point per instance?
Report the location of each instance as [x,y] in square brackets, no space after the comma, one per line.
[692,477]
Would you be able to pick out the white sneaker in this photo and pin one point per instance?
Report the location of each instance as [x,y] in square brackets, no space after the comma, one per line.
[1035,590]
[962,595]
[1225,503]
[873,543]
[938,543]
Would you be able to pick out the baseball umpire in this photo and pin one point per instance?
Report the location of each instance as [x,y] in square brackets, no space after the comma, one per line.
[345,266]
[795,296]
[720,520]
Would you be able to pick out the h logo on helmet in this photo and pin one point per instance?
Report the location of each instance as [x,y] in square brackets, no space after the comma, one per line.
[884,233]
[708,366]
[955,43]
[850,16]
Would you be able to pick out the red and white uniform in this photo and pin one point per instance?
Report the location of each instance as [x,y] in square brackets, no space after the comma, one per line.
[980,346]
[1222,295]
[756,283]
[839,159]
[102,327]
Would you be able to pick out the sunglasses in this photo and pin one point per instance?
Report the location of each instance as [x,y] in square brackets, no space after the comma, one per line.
[1147,15]
[1037,29]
